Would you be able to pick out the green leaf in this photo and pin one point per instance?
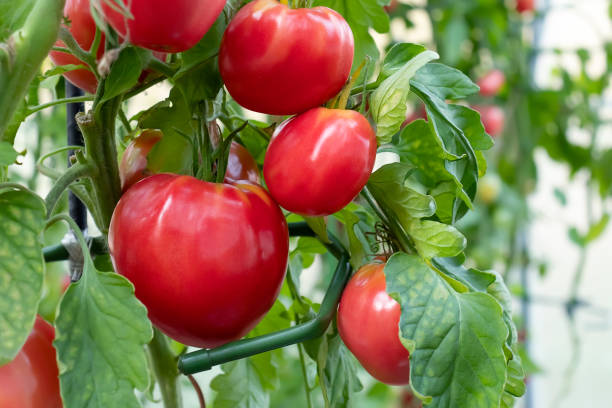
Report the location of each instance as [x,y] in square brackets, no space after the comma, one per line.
[445,82]
[388,187]
[397,57]
[433,238]
[205,49]
[474,279]
[319,226]
[240,386]
[356,247]
[101,330]
[597,229]
[337,371]
[455,339]
[389,99]
[22,219]
[454,34]
[367,13]
[13,15]
[124,72]
[8,155]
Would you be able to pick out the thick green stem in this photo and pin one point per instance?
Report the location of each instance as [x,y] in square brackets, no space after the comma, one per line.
[22,55]
[99,134]
[165,369]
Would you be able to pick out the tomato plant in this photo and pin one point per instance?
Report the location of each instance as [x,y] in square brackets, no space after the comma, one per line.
[368,321]
[283,61]
[160,25]
[31,379]
[318,161]
[222,281]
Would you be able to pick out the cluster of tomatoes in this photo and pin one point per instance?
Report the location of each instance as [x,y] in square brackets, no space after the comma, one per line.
[206,259]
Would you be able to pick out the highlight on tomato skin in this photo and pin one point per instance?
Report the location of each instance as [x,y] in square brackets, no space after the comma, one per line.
[222,274]
[318,161]
[368,322]
[162,25]
[283,61]
[31,379]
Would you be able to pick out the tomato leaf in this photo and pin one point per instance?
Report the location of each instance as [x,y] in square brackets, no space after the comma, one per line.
[22,217]
[397,57]
[445,82]
[337,372]
[474,279]
[240,386]
[205,49]
[432,238]
[356,246]
[8,155]
[125,72]
[13,15]
[458,361]
[101,330]
[388,186]
[319,226]
[389,99]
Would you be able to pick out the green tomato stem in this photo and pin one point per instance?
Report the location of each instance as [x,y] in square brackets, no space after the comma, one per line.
[72,174]
[66,37]
[165,368]
[84,98]
[22,55]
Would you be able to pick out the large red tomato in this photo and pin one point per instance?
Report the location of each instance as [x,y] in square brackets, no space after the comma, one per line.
[83,29]
[134,167]
[492,117]
[162,25]
[31,379]
[318,161]
[491,83]
[282,61]
[207,260]
[523,6]
[368,322]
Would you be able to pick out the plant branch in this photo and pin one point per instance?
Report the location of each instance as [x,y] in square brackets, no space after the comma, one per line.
[71,175]
[66,37]
[165,368]
[198,390]
[34,109]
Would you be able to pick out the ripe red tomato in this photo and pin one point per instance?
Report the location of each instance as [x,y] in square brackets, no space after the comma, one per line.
[523,6]
[134,167]
[420,113]
[206,259]
[83,29]
[161,25]
[368,322]
[491,83]
[318,161]
[492,118]
[31,379]
[282,61]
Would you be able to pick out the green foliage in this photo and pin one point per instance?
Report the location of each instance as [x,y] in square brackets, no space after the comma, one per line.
[22,217]
[101,330]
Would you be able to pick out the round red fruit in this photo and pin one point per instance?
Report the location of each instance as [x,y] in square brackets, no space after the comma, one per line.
[282,61]
[161,25]
[368,322]
[206,259]
[318,161]
[31,379]
[492,118]
[491,83]
[523,6]
[241,165]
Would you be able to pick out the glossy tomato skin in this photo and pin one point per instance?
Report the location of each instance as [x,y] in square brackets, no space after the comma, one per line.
[162,25]
[491,83]
[241,165]
[134,166]
[83,29]
[206,259]
[492,117]
[31,379]
[282,61]
[318,161]
[368,322]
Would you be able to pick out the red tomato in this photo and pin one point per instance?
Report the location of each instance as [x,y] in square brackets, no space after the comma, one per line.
[282,61]
[391,7]
[318,161]
[31,379]
[134,167]
[420,113]
[162,25]
[523,6]
[206,259]
[492,118]
[83,29]
[491,83]
[368,322]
